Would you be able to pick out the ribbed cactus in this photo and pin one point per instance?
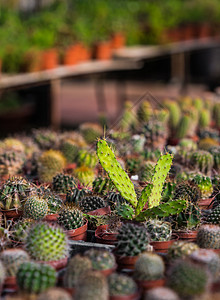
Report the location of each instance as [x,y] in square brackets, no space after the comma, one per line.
[183,128]
[46,242]
[35,207]
[90,131]
[115,172]
[209,259]
[181,249]
[149,266]
[11,162]
[70,217]
[53,200]
[102,185]
[101,259]
[73,196]
[34,278]
[208,236]
[20,229]
[45,138]
[144,111]
[188,279]
[50,163]
[174,113]
[77,266]
[63,182]
[187,191]
[12,259]
[70,149]
[87,158]
[121,285]
[204,184]
[202,160]
[158,230]
[215,151]
[132,240]
[14,192]
[85,175]
[214,216]
[93,285]
[204,118]
[90,203]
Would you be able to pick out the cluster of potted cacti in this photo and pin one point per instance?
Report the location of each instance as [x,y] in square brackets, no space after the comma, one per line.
[159,210]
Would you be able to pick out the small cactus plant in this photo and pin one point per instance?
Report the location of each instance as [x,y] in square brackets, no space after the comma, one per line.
[101,259]
[204,184]
[90,203]
[121,285]
[70,218]
[158,230]
[54,293]
[149,266]
[34,278]
[208,236]
[35,208]
[202,160]
[181,249]
[63,182]
[161,293]
[85,175]
[214,216]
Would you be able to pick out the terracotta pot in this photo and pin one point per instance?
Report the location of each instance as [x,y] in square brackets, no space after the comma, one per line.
[149,284]
[189,236]
[51,218]
[103,50]
[72,55]
[118,40]
[104,237]
[162,247]
[12,213]
[85,54]
[107,272]
[78,234]
[49,59]
[10,283]
[135,296]
[56,264]
[100,211]
[206,203]
[32,61]
[70,167]
[204,30]
[126,262]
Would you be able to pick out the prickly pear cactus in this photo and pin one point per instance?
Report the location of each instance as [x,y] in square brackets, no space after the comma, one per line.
[152,194]
[115,172]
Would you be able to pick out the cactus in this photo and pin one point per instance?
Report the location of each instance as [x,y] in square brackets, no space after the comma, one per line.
[13,144]
[12,259]
[149,266]
[158,230]
[90,203]
[90,131]
[70,218]
[45,242]
[187,144]
[35,208]
[51,162]
[74,196]
[77,266]
[11,162]
[207,143]
[187,279]
[70,149]
[189,218]
[171,207]
[121,285]
[183,128]
[102,185]
[144,111]
[132,240]
[181,249]
[114,200]
[198,103]
[34,278]
[54,293]
[20,229]
[46,139]
[151,155]
[209,133]
[63,182]
[132,165]
[174,114]
[115,172]
[87,158]
[209,259]
[204,184]
[155,134]
[14,192]
[85,175]
[53,200]
[161,293]
[215,151]
[93,286]
[204,118]
[101,259]
[187,191]
[128,119]
[154,191]
[137,142]
[202,160]
[208,236]
[214,216]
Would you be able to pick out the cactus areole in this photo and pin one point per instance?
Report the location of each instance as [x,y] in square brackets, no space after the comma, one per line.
[116,173]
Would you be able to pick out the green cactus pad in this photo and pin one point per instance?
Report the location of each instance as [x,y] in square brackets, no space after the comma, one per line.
[115,172]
